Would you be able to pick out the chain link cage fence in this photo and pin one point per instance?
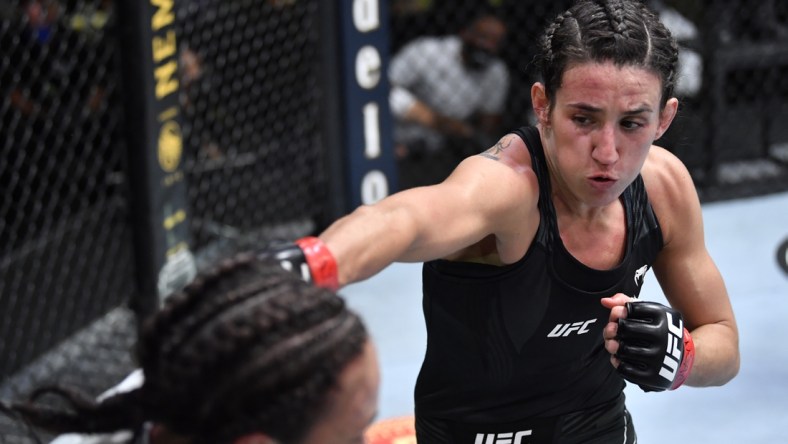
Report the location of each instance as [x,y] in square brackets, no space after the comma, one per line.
[730,131]
[65,245]
[250,94]
[252,160]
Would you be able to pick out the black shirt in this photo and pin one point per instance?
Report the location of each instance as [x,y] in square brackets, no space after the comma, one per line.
[525,340]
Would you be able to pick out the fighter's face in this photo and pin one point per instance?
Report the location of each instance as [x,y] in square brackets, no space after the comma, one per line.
[602,123]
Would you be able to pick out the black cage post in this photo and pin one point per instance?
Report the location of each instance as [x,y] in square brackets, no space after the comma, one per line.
[332,133]
[153,125]
[358,124]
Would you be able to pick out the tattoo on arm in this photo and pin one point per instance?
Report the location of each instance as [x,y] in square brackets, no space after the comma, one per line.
[495,151]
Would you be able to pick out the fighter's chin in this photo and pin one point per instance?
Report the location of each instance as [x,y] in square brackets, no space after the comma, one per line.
[603,192]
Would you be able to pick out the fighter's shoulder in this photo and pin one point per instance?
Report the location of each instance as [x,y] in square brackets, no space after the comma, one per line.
[671,191]
[512,151]
[665,175]
[506,166]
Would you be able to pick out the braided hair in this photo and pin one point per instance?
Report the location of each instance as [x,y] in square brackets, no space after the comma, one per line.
[624,32]
[246,347]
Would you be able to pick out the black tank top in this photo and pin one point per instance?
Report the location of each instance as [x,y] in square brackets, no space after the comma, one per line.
[525,340]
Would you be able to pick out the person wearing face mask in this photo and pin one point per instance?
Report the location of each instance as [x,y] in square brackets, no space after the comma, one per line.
[447,97]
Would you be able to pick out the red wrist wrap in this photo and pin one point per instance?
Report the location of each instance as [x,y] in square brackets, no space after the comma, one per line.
[686,364]
[322,264]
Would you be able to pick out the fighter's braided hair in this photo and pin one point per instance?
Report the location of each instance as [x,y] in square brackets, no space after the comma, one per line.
[246,347]
[624,32]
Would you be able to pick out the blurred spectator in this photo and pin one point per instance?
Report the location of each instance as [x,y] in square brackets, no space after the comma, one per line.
[91,19]
[56,65]
[690,61]
[57,83]
[448,94]
[38,41]
[192,72]
[684,137]
[41,18]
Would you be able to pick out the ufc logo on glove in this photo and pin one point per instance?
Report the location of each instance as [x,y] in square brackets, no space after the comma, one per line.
[655,350]
[675,349]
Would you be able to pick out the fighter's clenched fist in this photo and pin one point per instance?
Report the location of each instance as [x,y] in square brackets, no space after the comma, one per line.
[648,343]
[308,257]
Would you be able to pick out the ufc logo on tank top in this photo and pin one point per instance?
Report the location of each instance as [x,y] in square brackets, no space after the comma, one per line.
[503,438]
[564,330]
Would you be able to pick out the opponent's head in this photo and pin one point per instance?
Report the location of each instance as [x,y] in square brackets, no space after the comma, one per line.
[624,32]
[247,353]
[250,348]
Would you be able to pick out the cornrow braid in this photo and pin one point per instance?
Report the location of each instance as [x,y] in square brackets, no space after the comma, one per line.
[547,38]
[624,32]
[245,347]
[182,303]
[615,14]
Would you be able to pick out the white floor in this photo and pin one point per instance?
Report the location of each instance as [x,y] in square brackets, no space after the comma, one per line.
[743,237]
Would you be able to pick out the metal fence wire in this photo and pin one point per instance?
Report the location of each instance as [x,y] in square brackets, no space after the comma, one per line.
[252,160]
[65,245]
[251,92]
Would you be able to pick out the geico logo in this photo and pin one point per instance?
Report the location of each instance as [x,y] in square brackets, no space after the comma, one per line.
[673,351]
[567,329]
[503,438]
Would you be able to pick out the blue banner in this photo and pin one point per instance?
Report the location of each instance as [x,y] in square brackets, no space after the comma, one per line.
[364,48]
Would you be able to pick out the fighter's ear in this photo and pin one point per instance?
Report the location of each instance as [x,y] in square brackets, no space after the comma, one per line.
[540,103]
[666,116]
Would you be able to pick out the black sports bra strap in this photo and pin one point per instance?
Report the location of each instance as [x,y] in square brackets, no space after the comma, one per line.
[533,142]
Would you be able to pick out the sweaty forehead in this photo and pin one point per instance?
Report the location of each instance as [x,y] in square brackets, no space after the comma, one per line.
[604,81]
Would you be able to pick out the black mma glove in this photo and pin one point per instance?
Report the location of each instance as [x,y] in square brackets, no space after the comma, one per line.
[655,350]
[309,258]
